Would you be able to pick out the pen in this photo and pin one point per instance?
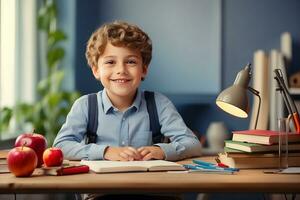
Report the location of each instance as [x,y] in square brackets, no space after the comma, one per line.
[219,168]
[188,166]
[195,168]
[208,165]
[211,171]
[203,163]
[212,167]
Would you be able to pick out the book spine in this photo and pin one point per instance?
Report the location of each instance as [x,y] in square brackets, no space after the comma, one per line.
[260,83]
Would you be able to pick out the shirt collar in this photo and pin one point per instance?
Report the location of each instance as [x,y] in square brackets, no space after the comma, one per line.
[107,105]
[138,100]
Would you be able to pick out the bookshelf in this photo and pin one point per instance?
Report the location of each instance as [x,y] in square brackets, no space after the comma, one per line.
[265,62]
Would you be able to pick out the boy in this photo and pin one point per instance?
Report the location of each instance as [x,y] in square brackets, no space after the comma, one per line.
[118,54]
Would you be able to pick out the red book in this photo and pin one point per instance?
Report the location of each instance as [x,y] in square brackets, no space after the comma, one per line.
[266,137]
[65,170]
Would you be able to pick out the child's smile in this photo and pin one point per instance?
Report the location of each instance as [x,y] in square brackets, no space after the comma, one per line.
[121,80]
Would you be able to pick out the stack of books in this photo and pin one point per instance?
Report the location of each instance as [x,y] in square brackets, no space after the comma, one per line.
[260,149]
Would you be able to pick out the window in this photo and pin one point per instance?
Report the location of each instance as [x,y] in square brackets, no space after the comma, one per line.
[8,53]
[17,53]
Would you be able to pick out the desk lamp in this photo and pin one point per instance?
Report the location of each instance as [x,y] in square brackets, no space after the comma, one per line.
[234,99]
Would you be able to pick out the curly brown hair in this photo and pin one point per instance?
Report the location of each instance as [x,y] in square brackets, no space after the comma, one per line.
[118,33]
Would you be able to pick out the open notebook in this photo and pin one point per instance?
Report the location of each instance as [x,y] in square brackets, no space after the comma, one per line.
[104,166]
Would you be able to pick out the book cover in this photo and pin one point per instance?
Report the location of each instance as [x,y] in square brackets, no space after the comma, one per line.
[230,150]
[104,166]
[65,170]
[266,137]
[259,155]
[262,161]
[253,147]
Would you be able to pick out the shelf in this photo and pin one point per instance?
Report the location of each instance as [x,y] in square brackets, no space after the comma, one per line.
[294,91]
[203,99]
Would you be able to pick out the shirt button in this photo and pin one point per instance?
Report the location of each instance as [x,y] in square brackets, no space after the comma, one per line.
[123,142]
[123,119]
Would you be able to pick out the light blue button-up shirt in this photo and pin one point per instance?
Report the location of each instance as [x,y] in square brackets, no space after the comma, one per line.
[128,128]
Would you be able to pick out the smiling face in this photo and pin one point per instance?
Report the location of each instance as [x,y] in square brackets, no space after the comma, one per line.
[120,71]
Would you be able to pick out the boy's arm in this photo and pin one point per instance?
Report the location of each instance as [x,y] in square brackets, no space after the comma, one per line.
[71,136]
[183,143]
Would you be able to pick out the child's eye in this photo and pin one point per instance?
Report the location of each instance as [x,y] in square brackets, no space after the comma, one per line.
[109,62]
[131,62]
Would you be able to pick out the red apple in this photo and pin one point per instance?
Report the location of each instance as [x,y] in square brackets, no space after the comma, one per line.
[22,161]
[35,141]
[53,157]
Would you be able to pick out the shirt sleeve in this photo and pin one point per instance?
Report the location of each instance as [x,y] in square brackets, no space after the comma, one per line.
[184,142]
[72,134]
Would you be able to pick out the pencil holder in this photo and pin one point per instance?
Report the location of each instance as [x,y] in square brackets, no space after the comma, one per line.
[283,129]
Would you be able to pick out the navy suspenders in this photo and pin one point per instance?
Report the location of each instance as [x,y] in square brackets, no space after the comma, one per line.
[91,134]
[154,122]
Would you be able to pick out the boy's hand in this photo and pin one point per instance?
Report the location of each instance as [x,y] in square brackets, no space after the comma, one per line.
[151,152]
[122,154]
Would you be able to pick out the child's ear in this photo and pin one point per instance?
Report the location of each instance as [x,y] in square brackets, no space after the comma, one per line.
[145,71]
[95,71]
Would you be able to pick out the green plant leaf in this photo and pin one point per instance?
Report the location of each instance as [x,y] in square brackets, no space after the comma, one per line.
[56,80]
[55,37]
[47,15]
[73,96]
[54,55]
[43,19]
[70,96]
[5,116]
[23,112]
[54,99]
[43,86]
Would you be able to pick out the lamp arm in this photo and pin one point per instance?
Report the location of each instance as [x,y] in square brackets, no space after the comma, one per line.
[256,93]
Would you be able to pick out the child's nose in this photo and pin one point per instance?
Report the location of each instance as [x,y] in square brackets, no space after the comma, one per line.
[121,68]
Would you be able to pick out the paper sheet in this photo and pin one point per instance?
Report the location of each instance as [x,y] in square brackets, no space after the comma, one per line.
[290,170]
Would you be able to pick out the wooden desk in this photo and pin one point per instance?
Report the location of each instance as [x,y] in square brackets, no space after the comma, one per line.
[243,181]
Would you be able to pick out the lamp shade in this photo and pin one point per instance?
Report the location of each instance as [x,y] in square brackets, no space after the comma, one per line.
[234,99]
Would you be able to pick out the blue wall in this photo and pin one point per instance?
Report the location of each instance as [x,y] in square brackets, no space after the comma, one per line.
[247,25]
[183,53]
